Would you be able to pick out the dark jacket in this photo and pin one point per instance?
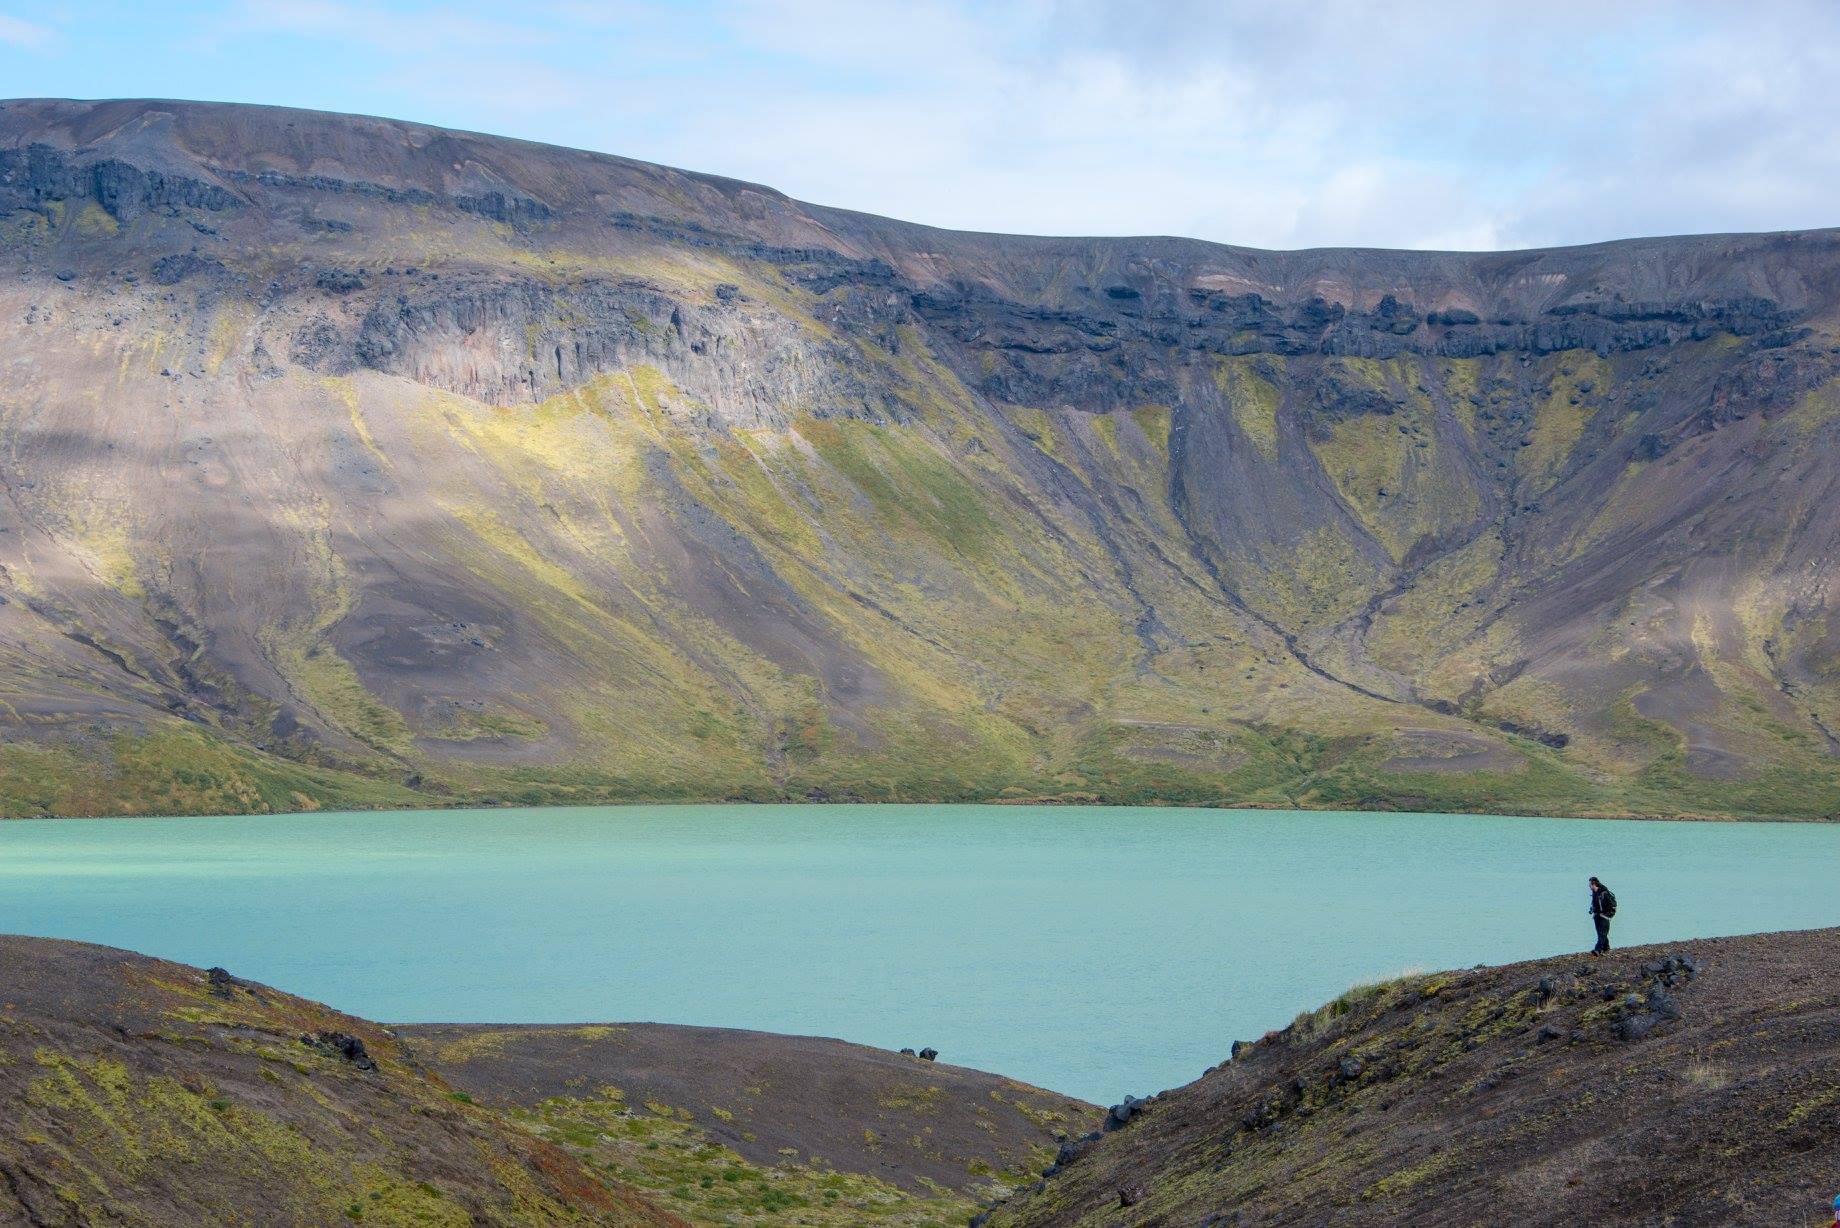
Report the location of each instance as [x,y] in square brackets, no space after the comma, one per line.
[1597,899]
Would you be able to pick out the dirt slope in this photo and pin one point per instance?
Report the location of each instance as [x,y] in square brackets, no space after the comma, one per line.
[347,461]
[913,1123]
[136,1092]
[1692,1084]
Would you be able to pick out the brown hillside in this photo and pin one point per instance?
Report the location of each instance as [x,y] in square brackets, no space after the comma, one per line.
[918,1124]
[1692,1084]
[139,1092]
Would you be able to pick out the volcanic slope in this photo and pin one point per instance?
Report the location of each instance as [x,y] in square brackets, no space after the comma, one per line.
[1692,1084]
[144,1092]
[726,1126]
[348,462]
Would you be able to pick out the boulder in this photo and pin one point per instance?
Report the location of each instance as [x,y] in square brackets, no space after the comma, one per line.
[339,281]
[342,1045]
[172,269]
[1635,1027]
[1649,447]
[1120,1114]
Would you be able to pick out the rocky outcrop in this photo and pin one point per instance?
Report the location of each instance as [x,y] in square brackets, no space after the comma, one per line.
[522,341]
[39,174]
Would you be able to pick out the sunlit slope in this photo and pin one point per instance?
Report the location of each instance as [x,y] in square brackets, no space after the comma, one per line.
[354,463]
[150,1093]
[164,1096]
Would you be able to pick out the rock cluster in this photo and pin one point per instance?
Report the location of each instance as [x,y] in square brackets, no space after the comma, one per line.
[1643,1012]
[340,1045]
[1124,1111]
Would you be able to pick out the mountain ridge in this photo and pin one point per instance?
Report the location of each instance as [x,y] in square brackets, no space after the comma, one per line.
[566,477]
[143,105]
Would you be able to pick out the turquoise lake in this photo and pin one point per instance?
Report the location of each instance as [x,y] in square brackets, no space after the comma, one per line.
[1095,951]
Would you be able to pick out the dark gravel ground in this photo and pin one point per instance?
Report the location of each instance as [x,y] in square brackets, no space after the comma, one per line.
[1696,1083]
[909,1122]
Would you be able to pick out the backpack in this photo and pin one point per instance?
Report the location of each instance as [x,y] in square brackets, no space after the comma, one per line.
[1607,904]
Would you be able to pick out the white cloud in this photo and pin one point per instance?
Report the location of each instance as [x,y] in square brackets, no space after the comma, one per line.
[1441,123]
[16,32]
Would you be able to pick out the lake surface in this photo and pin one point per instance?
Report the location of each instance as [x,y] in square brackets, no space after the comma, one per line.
[1095,951]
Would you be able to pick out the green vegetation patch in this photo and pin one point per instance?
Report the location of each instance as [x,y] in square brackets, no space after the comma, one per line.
[1244,383]
[907,479]
[177,769]
[662,1153]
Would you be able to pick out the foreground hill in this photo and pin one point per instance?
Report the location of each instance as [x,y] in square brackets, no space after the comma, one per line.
[149,1093]
[141,1092]
[1694,1084]
[353,462]
[1697,1084]
[912,1123]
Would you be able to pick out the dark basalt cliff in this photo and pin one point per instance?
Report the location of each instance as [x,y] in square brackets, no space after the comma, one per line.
[349,461]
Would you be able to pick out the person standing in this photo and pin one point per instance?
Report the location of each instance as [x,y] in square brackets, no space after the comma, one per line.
[1603,907]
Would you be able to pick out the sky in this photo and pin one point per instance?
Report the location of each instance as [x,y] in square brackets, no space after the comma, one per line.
[1424,124]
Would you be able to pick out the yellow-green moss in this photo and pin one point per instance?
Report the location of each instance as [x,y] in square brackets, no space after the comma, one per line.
[1252,398]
